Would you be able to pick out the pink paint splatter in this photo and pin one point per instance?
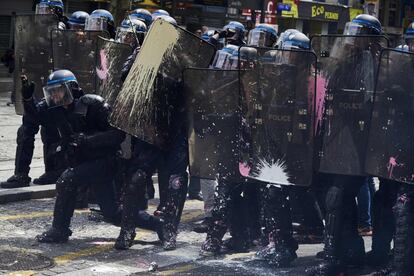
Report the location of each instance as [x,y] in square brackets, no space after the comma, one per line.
[321,84]
[392,163]
[104,71]
[244,169]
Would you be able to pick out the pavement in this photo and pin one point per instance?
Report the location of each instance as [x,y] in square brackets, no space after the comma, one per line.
[27,212]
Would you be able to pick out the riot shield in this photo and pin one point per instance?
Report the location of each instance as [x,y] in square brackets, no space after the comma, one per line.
[76,51]
[151,101]
[214,117]
[111,57]
[346,78]
[33,53]
[279,93]
[390,152]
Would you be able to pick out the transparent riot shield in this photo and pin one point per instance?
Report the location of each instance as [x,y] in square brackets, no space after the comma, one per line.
[150,104]
[76,51]
[346,78]
[390,152]
[111,57]
[213,105]
[33,53]
[279,93]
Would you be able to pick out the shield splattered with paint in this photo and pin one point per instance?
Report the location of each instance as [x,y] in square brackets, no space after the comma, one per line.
[213,105]
[279,93]
[151,104]
[390,148]
[110,59]
[76,50]
[33,53]
[347,68]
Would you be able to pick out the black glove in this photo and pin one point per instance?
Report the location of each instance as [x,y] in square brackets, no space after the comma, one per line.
[223,34]
[27,88]
[78,140]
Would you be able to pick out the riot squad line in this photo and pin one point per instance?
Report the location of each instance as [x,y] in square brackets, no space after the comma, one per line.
[268,122]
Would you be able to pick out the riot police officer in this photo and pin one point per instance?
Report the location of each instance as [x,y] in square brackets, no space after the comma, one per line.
[27,131]
[343,245]
[86,139]
[171,162]
[233,33]
[281,248]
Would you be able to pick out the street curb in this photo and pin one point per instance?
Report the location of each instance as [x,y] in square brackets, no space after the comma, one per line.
[34,192]
[27,193]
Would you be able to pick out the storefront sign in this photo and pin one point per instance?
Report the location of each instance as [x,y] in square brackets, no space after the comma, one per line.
[321,12]
[293,12]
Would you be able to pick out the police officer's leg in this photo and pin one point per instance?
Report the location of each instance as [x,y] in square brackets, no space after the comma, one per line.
[176,163]
[282,247]
[24,154]
[334,203]
[252,196]
[142,165]
[383,222]
[352,244]
[52,159]
[237,218]
[404,231]
[66,190]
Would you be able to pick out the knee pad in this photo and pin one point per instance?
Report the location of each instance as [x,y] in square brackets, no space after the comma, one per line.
[65,183]
[177,181]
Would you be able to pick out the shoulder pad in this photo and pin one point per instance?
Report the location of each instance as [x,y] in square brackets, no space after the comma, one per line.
[90,99]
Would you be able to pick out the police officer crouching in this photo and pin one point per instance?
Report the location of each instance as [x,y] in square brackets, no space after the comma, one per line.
[87,140]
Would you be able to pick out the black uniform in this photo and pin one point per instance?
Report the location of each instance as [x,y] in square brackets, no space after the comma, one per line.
[90,146]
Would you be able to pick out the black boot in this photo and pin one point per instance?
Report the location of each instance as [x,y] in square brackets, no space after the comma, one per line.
[169,233]
[54,235]
[125,239]
[237,244]
[280,252]
[203,226]
[210,247]
[331,265]
[16,181]
[213,243]
[282,256]
[47,178]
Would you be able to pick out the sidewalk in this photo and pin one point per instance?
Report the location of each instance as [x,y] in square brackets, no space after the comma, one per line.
[9,123]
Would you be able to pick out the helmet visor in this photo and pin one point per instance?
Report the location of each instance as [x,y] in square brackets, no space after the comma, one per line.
[126,36]
[259,38]
[44,8]
[76,26]
[58,94]
[352,28]
[96,24]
